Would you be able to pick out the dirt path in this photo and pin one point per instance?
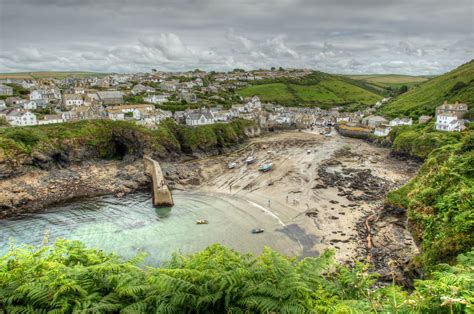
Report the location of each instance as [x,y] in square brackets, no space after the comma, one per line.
[322,186]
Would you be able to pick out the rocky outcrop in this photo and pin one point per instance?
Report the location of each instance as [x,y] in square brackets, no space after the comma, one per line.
[40,189]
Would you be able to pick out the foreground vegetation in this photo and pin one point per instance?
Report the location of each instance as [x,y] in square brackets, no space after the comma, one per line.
[321,89]
[440,199]
[69,278]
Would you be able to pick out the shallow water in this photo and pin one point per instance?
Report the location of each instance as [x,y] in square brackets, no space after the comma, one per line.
[130,224]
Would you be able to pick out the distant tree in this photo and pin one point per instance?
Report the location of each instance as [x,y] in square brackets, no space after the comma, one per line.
[403,89]
[153,70]
[272,68]
[458,86]
[281,69]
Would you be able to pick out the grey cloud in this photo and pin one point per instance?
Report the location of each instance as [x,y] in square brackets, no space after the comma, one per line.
[342,36]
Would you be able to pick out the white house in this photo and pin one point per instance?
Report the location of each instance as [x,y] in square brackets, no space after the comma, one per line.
[382,130]
[398,121]
[449,117]
[30,105]
[73,100]
[201,117]
[140,88]
[115,115]
[6,90]
[3,104]
[374,121]
[19,117]
[51,119]
[449,122]
[157,99]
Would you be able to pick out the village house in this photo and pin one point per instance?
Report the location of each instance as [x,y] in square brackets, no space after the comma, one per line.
[131,107]
[449,117]
[110,97]
[199,117]
[47,93]
[30,105]
[180,116]
[19,117]
[374,121]
[382,130]
[157,99]
[3,104]
[51,119]
[169,86]
[6,90]
[91,99]
[82,113]
[140,88]
[398,121]
[188,97]
[457,109]
[72,100]
[115,114]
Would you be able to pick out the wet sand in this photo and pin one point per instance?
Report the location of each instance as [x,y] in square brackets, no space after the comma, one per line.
[316,214]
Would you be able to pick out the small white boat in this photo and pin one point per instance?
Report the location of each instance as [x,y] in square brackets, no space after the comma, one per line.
[308,151]
[250,160]
[202,222]
[232,165]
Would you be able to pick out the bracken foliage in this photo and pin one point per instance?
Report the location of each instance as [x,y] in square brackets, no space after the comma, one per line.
[69,278]
[440,199]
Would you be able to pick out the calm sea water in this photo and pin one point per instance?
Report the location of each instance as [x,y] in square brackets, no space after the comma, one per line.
[129,225]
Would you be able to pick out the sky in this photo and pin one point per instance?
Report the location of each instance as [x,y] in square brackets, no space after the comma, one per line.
[417,37]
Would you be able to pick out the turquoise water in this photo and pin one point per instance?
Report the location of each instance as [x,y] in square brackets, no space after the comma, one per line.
[129,225]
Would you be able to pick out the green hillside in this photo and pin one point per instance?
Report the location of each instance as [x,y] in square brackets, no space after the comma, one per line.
[457,85]
[319,89]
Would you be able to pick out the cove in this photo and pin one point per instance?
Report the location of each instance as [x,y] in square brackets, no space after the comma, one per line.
[130,225]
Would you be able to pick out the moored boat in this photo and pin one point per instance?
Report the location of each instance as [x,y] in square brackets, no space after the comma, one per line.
[258,230]
[266,167]
[250,160]
[232,165]
[202,222]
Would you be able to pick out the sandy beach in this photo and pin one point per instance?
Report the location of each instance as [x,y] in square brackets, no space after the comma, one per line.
[318,191]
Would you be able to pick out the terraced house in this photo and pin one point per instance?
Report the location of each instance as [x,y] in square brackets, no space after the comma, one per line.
[6,90]
[449,117]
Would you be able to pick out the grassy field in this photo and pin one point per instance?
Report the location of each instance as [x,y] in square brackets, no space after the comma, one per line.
[390,80]
[278,92]
[457,85]
[38,75]
[320,89]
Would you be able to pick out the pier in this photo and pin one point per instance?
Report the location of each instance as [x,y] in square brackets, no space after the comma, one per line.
[160,192]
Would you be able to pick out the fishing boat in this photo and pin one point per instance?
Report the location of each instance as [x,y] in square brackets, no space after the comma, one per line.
[232,165]
[202,222]
[250,160]
[308,151]
[257,230]
[266,167]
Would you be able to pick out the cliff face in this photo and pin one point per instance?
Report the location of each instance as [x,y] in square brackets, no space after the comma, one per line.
[40,166]
[120,144]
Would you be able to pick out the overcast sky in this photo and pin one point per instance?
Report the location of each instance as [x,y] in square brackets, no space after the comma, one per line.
[336,36]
